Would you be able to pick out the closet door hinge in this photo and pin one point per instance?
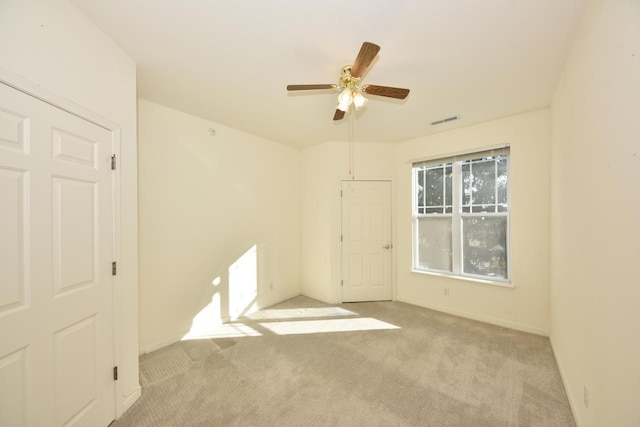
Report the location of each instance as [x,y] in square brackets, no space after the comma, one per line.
[114,268]
[115,373]
[113,162]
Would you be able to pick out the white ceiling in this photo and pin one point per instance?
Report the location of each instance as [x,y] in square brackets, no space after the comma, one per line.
[230,61]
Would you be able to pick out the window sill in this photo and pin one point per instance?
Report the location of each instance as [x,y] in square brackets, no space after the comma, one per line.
[507,285]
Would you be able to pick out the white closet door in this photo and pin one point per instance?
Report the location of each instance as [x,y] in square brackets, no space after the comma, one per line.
[56,249]
[366,241]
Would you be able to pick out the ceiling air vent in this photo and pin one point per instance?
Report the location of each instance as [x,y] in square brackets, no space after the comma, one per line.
[448,119]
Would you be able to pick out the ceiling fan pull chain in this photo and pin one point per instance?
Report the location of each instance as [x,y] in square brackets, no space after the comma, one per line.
[352,160]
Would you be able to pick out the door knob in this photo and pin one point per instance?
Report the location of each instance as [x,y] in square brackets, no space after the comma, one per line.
[387,246]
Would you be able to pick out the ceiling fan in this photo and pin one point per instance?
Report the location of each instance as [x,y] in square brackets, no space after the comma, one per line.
[349,83]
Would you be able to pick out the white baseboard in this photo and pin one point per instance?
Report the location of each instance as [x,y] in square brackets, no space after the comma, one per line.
[170,340]
[567,389]
[130,399]
[480,318]
[278,300]
[160,344]
[320,298]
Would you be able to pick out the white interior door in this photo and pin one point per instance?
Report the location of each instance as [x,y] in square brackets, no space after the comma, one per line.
[366,241]
[56,223]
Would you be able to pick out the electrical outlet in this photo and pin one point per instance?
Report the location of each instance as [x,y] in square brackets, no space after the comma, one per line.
[446,292]
[586,397]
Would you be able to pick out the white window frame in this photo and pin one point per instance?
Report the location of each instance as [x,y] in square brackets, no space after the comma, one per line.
[457,217]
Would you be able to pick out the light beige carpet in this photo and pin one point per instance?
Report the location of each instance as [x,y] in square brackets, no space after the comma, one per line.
[306,363]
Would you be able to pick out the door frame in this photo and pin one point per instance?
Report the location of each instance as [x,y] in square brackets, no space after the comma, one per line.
[29,88]
[340,232]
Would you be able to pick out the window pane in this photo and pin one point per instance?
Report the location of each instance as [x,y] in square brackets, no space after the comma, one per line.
[434,243]
[420,187]
[484,182]
[448,186]
[484,241]
[466,184]
[502,181]
[434,189]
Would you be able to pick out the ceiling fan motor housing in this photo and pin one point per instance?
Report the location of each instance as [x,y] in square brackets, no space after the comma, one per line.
[347,80]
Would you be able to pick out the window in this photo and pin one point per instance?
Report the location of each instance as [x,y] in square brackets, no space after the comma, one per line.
[461,215]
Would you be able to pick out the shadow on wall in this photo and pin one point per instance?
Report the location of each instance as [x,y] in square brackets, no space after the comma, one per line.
[242,297]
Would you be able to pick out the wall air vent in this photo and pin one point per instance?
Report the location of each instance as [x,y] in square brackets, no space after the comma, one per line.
[448,119]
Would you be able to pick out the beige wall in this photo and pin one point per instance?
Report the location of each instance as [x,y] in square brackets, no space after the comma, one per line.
[50,44]
[595,286]
[315,205]
[526,305]
[205,201]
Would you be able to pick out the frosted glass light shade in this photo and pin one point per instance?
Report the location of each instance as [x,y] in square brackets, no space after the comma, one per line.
[345,99]
[359,100]
[346,96]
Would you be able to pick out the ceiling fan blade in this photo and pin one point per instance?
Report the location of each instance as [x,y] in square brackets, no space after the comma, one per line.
[338,115]
[368,51]
[310,87]
[389,92]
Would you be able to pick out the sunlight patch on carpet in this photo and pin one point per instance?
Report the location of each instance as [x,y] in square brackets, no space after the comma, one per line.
[330,325]
[229,330]
[300,313]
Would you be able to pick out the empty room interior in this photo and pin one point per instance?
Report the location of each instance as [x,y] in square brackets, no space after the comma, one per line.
[320,213]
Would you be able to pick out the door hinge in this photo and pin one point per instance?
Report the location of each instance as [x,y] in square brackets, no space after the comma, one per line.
[341,282]
[113,162]
[114,268]
[341,237]
[340,193]
[115,373]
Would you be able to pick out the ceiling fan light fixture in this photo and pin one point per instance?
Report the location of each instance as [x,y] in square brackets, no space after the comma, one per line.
[345,99]
[359,100]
